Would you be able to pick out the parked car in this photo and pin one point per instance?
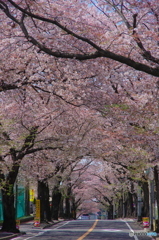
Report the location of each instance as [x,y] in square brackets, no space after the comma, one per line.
[85,217]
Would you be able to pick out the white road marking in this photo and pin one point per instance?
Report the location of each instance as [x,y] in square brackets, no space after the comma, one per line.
[62,225]
[42,231]
[131,230]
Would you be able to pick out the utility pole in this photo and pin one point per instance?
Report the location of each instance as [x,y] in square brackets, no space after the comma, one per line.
[149,173]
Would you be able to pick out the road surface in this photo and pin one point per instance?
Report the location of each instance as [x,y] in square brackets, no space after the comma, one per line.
[87,230]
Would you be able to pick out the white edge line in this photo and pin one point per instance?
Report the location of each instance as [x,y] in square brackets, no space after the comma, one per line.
[136,238]
[31,237]
[43,232]
[62,225]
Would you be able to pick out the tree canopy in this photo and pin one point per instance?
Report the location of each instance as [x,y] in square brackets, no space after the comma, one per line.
[124,31]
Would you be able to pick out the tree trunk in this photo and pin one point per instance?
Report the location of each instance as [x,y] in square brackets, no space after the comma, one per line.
[145,208]
[61,208]
[43,195]
[120,208]
[27,200]
[9,221]
[74,208]
[56,198]
[135,200]
[67,211]
[110,211]
[129,205]
[156,177]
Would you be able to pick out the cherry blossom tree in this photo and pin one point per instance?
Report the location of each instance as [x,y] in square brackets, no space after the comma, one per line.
[68,54]
[19,134]
[83,195]
[107,25]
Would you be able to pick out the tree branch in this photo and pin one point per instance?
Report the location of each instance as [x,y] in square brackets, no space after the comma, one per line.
[98,53]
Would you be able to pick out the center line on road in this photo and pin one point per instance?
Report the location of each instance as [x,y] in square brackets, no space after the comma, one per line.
[90,230]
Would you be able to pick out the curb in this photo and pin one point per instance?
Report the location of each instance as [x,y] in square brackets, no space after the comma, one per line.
[10,236]
[51,224]
[14,235]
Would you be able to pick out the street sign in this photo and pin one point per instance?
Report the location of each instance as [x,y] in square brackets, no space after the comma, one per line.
[37,213]
[145,221]
[17,223]
[32,195]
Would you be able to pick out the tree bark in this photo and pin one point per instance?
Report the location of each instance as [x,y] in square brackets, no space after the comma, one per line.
[43,195]
[68,213]
[129,205]
[74,208]
[120,208]
[156,177]
[9,220]
[27,200]
[61,208]
[145,209]
[135,200]
[110,211]
[56,198]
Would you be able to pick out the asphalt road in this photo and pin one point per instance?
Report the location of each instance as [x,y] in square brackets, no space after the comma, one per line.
[87,230]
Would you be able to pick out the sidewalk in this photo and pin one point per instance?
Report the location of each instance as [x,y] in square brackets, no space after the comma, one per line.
[26,223]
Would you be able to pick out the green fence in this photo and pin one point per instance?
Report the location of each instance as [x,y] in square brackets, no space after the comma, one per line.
[20,202]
